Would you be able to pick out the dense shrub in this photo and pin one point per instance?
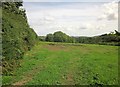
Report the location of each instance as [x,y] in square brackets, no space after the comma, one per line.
[17,36]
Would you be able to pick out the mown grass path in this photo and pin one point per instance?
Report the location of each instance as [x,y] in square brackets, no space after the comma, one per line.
[67,64]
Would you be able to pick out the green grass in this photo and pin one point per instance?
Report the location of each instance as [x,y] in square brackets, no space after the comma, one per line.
[67,64]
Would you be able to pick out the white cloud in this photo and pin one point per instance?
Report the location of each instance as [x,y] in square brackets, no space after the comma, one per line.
[72,21]
[110,11]
[69,0]
[100,27]
[87,26]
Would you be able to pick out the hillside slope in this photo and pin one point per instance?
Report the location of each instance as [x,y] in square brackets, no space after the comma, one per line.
[17,36]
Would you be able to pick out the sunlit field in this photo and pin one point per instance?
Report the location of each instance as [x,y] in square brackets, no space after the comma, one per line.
[67,64]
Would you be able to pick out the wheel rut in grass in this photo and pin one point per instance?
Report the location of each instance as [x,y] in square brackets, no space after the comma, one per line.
[70,75]
[69,79]
[28,76]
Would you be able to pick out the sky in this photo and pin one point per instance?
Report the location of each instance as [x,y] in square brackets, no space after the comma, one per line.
[78,18]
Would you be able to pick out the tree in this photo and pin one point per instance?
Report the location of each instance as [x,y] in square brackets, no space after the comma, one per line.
[18,4]
[117,33]
[49,37]
[60,37]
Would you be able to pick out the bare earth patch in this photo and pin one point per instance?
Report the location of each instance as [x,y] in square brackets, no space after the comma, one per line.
[70,80]
[23,81]
[28,77]
[56,47]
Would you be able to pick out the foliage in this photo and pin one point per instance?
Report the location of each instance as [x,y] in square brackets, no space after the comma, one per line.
[49,37]
[42,38]
[17,36]
[14,7]
[105,39]
[117,33]
[58,37]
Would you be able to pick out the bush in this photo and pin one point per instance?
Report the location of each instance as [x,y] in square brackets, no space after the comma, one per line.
[17,36]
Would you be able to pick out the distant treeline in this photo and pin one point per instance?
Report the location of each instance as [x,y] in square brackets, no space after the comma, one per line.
[105,39]
[57,37]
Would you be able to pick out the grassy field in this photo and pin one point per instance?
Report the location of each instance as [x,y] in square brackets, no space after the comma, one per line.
[67,64]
